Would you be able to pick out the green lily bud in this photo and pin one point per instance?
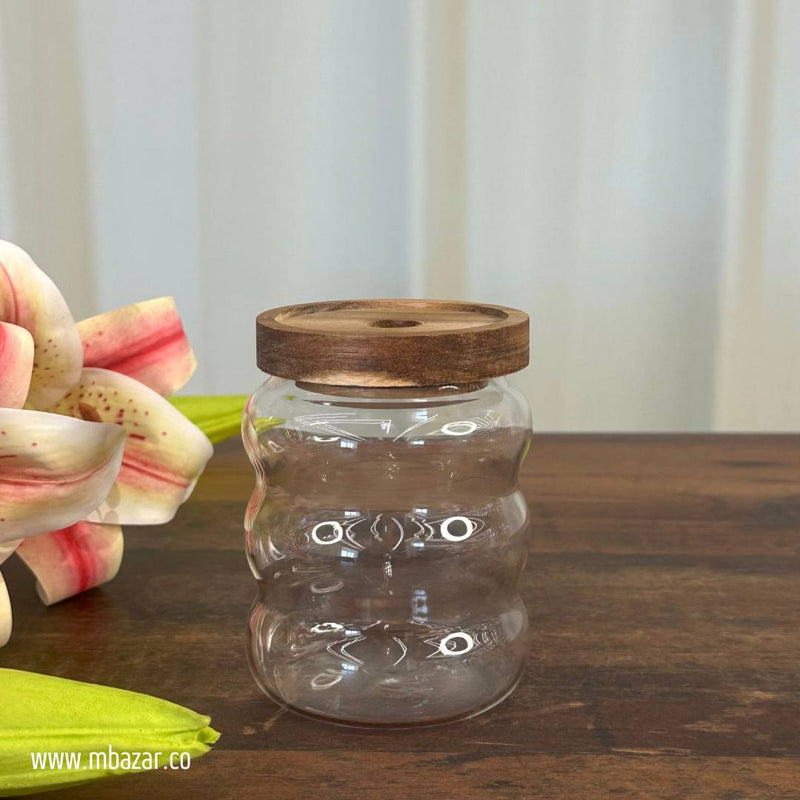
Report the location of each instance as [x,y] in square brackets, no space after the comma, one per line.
[56,732]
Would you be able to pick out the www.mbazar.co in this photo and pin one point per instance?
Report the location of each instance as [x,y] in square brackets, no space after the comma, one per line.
[110,760]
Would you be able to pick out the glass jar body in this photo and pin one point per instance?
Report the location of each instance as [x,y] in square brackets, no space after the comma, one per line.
[387,534]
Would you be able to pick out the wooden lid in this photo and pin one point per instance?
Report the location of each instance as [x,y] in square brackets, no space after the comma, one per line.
[392,342]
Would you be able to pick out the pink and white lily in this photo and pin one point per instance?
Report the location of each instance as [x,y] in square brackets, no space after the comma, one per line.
[88,441]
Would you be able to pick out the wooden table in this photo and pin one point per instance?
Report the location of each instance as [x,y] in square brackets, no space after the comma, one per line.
[664,594]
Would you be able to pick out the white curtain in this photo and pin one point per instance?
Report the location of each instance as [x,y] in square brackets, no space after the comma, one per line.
[627,171]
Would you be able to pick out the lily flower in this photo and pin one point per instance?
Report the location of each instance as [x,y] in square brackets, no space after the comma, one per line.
[88,441]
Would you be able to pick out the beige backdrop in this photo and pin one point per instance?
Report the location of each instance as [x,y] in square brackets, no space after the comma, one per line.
[627,171]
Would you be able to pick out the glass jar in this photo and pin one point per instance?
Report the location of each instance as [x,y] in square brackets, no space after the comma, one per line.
[387,531]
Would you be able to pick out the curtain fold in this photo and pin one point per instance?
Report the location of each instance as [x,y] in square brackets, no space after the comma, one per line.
[627,172]
[757,382]
[44,155]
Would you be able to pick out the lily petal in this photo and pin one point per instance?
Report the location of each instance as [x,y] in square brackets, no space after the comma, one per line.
[164,452]
[145,341]
[29,299]
[16,365]
[5,613]
[53,470]
[72,560]
[7,548]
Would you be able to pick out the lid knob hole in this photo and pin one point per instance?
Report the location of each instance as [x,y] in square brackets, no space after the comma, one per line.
[394,323]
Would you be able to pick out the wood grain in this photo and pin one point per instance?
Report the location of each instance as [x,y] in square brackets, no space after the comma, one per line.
[381,343]
[663,588]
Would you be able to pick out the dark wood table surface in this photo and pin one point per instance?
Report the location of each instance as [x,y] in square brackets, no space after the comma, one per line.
[664,594]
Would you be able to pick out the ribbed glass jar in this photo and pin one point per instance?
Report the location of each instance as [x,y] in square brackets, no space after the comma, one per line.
[387,534]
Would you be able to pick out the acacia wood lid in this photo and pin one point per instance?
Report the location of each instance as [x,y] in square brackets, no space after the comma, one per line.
[392,342]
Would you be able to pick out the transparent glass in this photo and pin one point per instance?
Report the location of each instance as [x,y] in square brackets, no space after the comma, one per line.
[387,534]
